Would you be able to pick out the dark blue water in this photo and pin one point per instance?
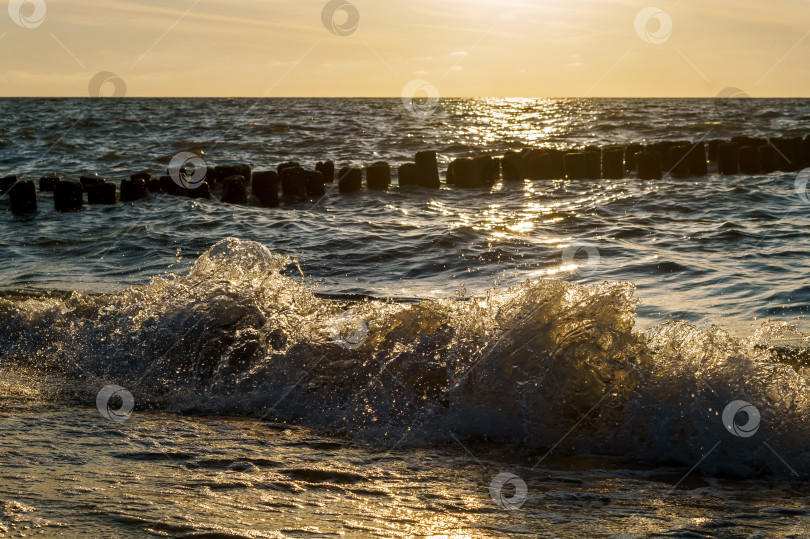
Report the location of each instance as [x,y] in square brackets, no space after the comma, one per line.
[724,250]
[395,351]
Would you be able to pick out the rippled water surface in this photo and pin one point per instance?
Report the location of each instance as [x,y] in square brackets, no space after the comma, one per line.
[367,364]
[163,475]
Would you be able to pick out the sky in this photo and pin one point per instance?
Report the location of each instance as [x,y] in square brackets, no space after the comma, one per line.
[387,48]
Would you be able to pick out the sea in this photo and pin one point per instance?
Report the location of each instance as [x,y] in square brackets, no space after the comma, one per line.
[558,358]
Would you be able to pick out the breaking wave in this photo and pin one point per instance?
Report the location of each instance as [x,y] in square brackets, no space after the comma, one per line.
[546,365]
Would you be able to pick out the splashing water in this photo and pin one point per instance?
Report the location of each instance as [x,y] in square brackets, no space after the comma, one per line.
[239,335]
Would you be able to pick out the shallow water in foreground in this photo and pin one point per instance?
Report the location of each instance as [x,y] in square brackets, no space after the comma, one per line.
[389,418]
[167,475]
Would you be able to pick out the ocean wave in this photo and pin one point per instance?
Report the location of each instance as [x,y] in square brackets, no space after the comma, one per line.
[543,365]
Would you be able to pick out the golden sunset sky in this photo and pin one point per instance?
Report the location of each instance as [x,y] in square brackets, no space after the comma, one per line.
[531,48]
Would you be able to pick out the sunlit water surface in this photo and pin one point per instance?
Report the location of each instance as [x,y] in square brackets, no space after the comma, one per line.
[600,403]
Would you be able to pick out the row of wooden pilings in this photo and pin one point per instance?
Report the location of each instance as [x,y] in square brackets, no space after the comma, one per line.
[292,183]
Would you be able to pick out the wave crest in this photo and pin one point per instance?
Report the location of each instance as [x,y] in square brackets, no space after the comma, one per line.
[546,364]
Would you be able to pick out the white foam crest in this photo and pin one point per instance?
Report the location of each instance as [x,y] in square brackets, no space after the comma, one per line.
[545,364]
